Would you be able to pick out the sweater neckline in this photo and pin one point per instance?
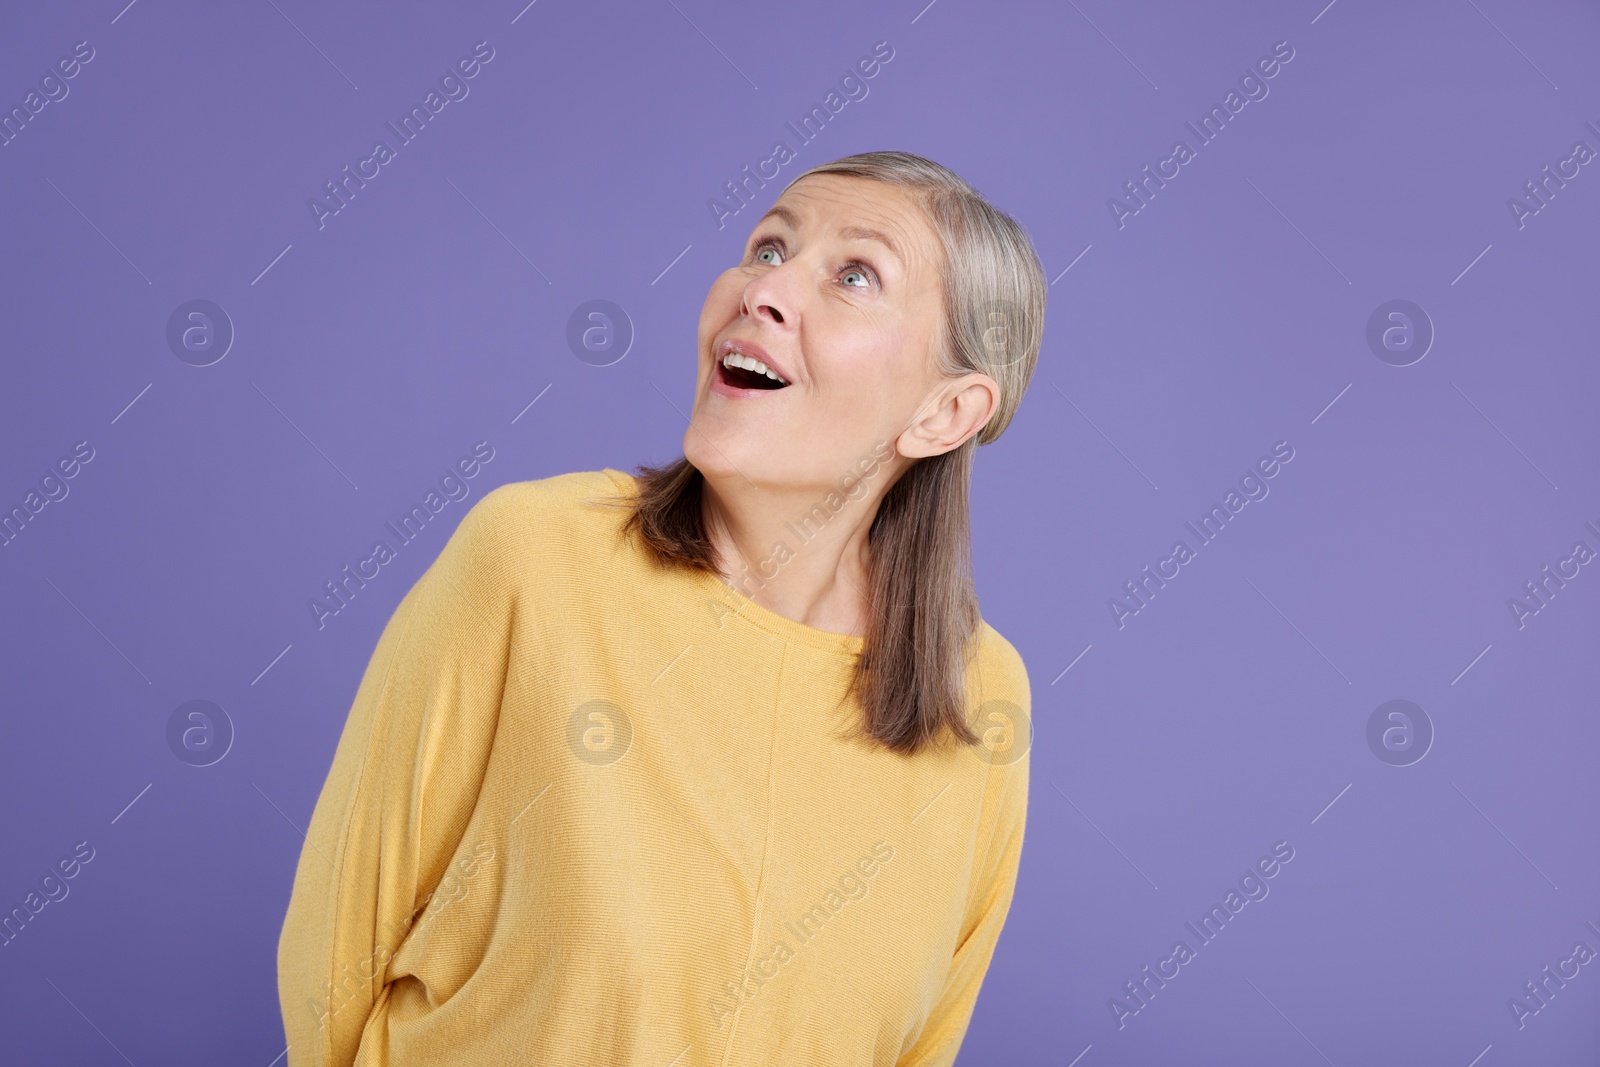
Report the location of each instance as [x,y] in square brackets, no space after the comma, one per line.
[846,646]
[780,626]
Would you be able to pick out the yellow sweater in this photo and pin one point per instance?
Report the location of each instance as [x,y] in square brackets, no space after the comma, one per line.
[588,810]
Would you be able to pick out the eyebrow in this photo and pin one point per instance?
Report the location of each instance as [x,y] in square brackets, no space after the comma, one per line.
[861,233]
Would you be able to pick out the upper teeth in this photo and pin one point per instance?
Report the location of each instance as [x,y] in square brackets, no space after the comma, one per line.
[734,359]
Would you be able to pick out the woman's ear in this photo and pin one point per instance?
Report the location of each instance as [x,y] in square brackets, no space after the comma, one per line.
[957,409]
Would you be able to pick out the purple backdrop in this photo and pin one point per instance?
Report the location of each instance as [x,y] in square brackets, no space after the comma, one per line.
[1377,259]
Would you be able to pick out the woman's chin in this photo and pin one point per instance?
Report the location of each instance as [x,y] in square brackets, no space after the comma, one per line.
[722,452]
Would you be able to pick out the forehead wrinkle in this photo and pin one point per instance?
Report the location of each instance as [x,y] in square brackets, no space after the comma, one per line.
[860,233]
[782,213]
[863,233]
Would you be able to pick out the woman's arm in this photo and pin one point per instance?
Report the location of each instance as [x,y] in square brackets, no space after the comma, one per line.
[403,784]
[996,879]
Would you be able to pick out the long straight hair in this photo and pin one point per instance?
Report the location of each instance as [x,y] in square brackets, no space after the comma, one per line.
[922,605]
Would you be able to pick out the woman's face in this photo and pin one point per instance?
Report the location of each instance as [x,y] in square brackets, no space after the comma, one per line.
[839,287]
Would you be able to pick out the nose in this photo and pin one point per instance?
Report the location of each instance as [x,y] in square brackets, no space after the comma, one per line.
[768,296]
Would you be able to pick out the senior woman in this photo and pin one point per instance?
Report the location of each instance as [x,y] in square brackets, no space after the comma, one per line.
[716,764]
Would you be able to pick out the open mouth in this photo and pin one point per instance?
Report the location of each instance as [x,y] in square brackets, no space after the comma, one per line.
[740,378]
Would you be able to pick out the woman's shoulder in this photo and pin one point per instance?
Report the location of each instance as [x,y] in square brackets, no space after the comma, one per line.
[1001,672]
[541,528]
[560,504]
[515,500]
[1002,716]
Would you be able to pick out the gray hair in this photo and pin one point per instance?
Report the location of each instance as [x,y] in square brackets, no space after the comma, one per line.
[922,606]
[994,287]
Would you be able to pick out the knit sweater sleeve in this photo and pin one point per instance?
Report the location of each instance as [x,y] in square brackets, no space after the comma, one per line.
[996,863]
[404,781]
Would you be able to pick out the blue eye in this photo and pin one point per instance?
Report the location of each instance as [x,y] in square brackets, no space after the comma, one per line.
[773,244]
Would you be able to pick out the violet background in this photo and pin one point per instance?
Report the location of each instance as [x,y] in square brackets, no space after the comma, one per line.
[1229,314]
